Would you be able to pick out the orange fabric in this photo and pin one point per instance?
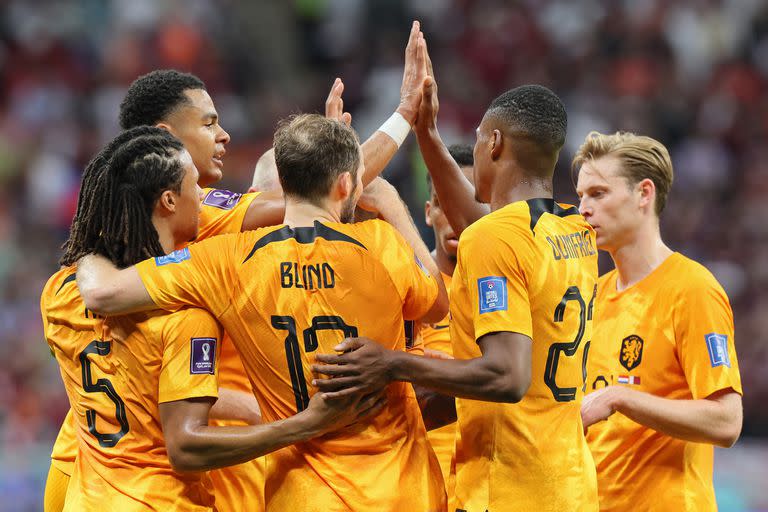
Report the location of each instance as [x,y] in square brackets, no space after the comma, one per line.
[443,440]
[528,268]
[116,371]
[223,212]
[656,337]
[284,293]
[55,489]
[65,447]
[239,488]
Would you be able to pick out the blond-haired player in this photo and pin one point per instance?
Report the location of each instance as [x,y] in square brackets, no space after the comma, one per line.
[664,383]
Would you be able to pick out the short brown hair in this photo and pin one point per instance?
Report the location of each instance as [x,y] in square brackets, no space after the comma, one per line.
[641,157]
[311,151]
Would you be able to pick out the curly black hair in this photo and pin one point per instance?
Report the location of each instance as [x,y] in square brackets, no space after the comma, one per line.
[536,111]
[152,97]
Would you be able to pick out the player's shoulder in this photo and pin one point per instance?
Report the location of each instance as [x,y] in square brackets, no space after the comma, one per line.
[186,322]
[509,226]
[222,199]
[373,234]
[606,282]
[61,282]
[683,273]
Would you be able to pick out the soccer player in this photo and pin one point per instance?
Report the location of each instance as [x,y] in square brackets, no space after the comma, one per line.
[663,375]
[179,103]
[285,292]
[521,316]
[435,337]
[141,387]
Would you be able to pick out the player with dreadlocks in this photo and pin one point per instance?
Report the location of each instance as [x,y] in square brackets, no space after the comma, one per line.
[141,387]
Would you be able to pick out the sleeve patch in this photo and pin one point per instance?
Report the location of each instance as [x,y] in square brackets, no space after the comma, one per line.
[421,265]
[717,345]
[492,294]
[203,356]
[222,199]
[174,257]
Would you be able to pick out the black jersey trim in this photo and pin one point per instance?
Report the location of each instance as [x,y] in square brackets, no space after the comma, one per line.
[540,206]
[68,279]
[303,235]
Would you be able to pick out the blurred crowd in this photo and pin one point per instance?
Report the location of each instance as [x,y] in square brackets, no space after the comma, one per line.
[691,73]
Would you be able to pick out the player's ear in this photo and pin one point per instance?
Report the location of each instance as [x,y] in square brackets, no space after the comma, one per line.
[165,126]
[345,185]
[647,193]
[427,209]
[167,202]
[496,141]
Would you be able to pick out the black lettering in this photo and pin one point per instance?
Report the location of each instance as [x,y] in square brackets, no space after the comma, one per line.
[561,247]
[590,247]
[314,269]
[296,276]
[555,252]
[329,278]
[286,279]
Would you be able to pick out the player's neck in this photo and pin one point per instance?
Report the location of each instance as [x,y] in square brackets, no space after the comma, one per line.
[641,256]
[299,213]
[165,235]
[445,263]
[518,188]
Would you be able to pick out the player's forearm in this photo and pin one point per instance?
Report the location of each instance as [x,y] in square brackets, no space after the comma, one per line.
[378,150]
[107,290]
[703,421]
[463,378]
[236,405]
[456,193]
[395,212]
[205,447]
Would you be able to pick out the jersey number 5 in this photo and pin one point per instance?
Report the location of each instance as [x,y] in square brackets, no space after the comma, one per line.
[293,353]
[102,385]
[570,348]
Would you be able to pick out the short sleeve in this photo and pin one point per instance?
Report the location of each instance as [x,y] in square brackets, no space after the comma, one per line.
[414,339]
[417,287]
[496,279]
[223,212]
[191,350]
[198,275]
[704,333]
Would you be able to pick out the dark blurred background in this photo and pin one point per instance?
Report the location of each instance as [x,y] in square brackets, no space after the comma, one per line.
[691,73]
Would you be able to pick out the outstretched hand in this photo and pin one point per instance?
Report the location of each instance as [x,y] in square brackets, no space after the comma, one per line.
[414,72]
[361,367]
[429,106]
[334,104]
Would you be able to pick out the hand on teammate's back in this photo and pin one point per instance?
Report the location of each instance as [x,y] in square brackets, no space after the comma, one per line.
[362,367]
[329,415]
[376,195]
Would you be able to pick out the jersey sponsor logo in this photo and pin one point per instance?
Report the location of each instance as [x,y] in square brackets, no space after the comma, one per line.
[202,359]
[174,257]
[492,294]
[717,345]
[631,352]
[222,199]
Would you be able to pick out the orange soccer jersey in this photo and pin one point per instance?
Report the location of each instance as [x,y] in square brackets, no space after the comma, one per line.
[284,293]
[116,371]
[528,268]
[443,440]
[238,486]
[671,335]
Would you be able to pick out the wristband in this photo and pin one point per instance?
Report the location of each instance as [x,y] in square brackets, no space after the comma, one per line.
[396,127]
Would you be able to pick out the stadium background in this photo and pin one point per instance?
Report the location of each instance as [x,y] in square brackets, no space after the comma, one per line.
[692,73]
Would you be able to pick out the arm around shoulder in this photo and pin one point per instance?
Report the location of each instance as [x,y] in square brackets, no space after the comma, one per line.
[105,289]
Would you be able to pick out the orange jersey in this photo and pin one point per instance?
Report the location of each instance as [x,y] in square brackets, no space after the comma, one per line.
[116,371]
[65,447]
[528,268]
[443,440]
[670,335]
[284,293]
[223,212]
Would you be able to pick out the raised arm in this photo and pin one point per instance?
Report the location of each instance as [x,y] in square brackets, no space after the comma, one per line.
[195,446]
[382,197]
[105,289]
[456,193]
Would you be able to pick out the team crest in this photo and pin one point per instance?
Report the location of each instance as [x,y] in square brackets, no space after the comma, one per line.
[631,353]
